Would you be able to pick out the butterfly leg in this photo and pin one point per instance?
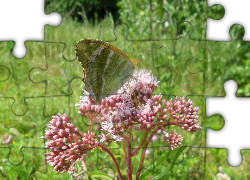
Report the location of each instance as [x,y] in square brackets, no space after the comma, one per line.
[84,76]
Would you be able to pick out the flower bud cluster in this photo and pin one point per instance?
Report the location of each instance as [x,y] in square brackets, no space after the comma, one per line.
[173,139]
[143,85]
[66,143]
[222,176]
[183,114]
[151,114]
[88,108]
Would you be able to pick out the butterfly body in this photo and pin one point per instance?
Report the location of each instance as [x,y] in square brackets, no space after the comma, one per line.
[105,67]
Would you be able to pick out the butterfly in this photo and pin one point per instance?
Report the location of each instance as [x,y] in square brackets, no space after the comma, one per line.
[105,67]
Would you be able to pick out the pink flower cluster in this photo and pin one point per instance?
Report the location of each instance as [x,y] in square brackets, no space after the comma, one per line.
[183,114]
[174,140]
[133,106]
[66,143]
[222,176]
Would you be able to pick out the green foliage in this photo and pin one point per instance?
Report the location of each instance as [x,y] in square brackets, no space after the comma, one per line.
[241,73]
[83,10]
[164,19]
[138,16]
[100,175]
[174,154]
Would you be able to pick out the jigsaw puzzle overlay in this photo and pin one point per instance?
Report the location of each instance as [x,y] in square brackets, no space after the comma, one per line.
[221,139]
[15,26]
[173,40]
[235,13]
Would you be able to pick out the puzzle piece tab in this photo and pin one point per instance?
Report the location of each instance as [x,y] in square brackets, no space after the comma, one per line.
[25,23]
[235,13]
[235,111]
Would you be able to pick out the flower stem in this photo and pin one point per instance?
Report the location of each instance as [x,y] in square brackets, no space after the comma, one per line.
[138,149]
[124,149]
[113,157]
[90,125]
[129,164]
[144,150]
[84,166]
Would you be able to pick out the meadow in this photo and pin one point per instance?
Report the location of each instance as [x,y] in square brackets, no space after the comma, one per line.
[48,81]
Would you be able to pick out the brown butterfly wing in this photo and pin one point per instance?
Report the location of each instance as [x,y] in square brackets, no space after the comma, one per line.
[107,68]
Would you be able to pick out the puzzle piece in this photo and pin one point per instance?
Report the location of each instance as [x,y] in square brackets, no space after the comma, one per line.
[159,27]
[183,56]
[105,31]
[166,20]
[226,138]
[16,83]
[232,55]
[25,154]
[57,86]
[25,131]
[20,14]
[192,20]
[219,29]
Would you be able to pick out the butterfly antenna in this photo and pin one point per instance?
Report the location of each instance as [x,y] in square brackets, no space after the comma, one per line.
[151,51]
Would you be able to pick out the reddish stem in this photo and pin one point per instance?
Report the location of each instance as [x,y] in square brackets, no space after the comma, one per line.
[144,150]
[169,124]
[90,125]
[124,149]
[139,148]
[129,164]
[113,157]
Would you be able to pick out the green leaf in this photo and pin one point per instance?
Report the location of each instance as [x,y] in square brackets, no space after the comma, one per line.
[136,162]
[100,175]
[175,152]
[211,173]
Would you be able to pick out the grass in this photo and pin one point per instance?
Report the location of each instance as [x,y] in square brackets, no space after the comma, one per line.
[47,81]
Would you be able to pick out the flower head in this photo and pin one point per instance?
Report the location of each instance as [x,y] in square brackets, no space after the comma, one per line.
[183,114]
[135,105]
[154,138]
[132,105]
[173,139]
[221,176]
[66,143]
[147,152]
